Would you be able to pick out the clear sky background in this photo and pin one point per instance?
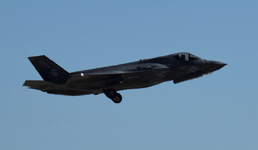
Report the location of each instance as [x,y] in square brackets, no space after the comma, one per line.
[215,112]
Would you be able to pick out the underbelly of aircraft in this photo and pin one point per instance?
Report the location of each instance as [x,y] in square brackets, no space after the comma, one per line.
[96,87]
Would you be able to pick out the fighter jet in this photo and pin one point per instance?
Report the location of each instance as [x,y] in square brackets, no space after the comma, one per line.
[144,73]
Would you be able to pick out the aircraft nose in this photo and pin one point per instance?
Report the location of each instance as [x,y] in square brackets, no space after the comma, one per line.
[216,65]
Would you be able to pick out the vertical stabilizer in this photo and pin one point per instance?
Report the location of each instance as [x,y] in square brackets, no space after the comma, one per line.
[49,70]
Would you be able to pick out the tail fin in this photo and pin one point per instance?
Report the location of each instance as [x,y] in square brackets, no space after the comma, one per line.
[49,70]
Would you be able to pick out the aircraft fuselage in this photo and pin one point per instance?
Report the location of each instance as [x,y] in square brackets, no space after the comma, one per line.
[178,67]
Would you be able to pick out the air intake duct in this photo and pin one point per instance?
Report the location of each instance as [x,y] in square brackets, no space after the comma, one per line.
[188,77]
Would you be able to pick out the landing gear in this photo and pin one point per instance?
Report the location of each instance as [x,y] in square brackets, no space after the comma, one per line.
[113,95]
[117,98]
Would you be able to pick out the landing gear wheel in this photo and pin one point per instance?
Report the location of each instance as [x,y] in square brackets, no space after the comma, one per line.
[113,95]
[110,93]
[117,98]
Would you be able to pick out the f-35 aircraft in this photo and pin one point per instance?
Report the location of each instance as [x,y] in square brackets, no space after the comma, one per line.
[144,73]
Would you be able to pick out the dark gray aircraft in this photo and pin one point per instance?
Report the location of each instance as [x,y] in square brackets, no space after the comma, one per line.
[178,67]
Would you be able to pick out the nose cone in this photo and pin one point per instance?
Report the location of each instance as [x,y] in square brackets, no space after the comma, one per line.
[216,65]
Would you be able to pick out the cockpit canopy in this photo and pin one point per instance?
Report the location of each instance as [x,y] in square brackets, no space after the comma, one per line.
[185,56]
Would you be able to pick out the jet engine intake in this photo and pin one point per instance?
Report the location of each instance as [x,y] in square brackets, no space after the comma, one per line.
[188,77]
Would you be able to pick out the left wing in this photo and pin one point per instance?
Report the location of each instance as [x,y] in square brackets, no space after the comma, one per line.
[94,80]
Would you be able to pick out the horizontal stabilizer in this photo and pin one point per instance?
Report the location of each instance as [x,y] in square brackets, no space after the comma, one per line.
[38,84]
[52,88]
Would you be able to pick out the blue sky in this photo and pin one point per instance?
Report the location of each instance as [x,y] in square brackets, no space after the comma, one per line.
[218,111]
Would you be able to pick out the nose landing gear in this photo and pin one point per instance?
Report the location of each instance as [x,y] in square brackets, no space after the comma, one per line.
[113,95]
